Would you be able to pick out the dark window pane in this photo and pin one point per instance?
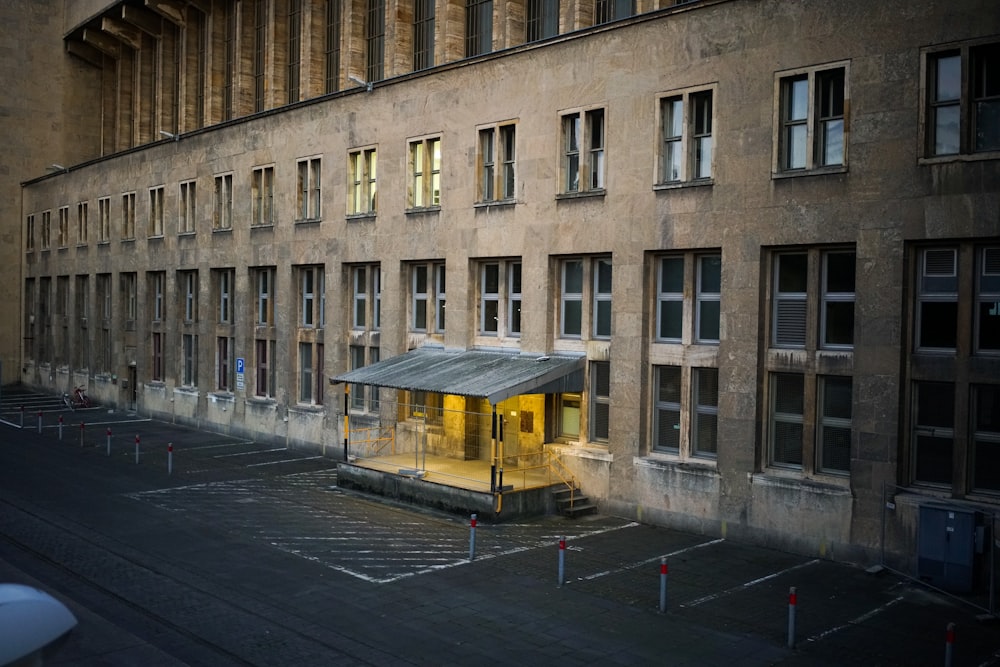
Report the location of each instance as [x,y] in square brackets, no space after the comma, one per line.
[836,448]
[671,315]
[840,323]
[669,384]
[988,334]
[571,317]
[936,404]
[668,429]
[933,460]
[787,443]
[708,320]
[938,324]
[840,272]
[672,275]
[792,273]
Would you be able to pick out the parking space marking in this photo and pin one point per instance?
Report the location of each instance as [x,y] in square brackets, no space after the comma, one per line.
[254,451]
[218,446]
[271,463]
[643,563]
[744,586]
[857,621]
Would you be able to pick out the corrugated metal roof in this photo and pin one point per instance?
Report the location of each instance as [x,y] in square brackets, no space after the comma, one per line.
[491,375]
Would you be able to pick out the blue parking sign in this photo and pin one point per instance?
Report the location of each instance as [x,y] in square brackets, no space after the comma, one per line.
[239,364]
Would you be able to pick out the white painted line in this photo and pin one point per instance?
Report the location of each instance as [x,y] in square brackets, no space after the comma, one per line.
[271,463]
[226,444]
[641,563]
[860,619]
[122,421]
[4,421]
[256,451]
[741,587]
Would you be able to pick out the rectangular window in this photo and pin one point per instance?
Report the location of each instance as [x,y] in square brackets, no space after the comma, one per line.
[986,438]
[478,27]
[224,280]
[29,233]
[496,163]
[158,286]
[262,192]
[265,367]
[425,174]
[375,40]
[189,286]
[309,194]
[331,48]
[705,420]
[786,424]
[306,372]
[260,21]
[833,433]
[812,123]
[223,214]
[600,400]
[686,121]
[294,49]
[585,298]
[82,223]
[674,309]
[707,306]
[361,196]
[799,278]
[128,216]
[606,11]
[423,34]
[933,437]
[500,298]
[312,297]
[987,325]
[189,374]
[366,297]
[667,409]
[186,223]
[962,108]
[46,230]
[363,398]
[571,306]
[264,281]
[225,364]
[427,297]
[156,211]
[156,361]
[104,215]
[542,20]
[129,297]
[583,151]
[937,299]
[63,226]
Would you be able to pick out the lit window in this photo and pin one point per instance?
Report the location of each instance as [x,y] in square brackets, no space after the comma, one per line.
[583,151]
[309,193]
[361,197]
[425,174]
[686,121]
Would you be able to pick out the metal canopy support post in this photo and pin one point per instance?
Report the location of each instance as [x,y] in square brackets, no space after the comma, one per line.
[493,452]
[347,402]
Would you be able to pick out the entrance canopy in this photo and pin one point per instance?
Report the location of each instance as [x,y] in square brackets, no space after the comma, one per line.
[495,376]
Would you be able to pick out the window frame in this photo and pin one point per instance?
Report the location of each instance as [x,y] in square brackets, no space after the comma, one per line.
[813,142]
[424,161]
[970,55]
[222,216]
[187,207]
[262,212]
[507,298]
[362,180]
[496,163]
[156,199]
[684,139]
[309,191]
[583,153]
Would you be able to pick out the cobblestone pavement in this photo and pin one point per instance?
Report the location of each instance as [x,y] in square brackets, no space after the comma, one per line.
[245,553]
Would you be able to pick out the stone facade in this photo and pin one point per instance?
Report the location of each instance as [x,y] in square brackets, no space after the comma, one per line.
[780,419]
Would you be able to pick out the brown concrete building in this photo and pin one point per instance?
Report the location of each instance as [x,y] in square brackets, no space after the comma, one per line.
[799,203]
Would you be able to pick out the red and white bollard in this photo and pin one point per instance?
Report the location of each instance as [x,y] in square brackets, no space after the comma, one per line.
[562,560]
[60,426]
[109,441]
[793,600]
[663,585]
[170,458]
[39,422]
[949,644]
[22,416]
[472,537]
[137,449]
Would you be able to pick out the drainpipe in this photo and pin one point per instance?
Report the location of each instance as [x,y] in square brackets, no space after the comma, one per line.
[493,452]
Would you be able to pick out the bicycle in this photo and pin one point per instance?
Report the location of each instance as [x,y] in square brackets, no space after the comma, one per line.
[78,400]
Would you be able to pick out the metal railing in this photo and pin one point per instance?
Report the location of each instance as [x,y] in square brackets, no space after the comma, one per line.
[372,441]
